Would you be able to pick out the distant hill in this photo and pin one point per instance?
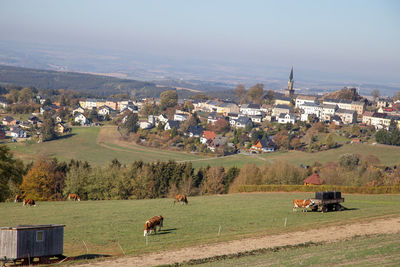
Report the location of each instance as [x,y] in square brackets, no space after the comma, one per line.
[88,83]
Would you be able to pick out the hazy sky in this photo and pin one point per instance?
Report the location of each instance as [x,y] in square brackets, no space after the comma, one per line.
[329,36]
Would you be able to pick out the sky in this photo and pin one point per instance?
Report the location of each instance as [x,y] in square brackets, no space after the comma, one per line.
[360,37]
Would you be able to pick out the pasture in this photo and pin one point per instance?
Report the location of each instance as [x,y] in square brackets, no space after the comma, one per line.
[101,145]
[373,250]
[104,225]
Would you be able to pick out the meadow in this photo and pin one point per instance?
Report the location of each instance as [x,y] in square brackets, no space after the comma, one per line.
[106,225]
[383,250]
[101,145]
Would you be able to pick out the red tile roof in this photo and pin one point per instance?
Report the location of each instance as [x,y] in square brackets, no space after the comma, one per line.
[209,135]
[314,179]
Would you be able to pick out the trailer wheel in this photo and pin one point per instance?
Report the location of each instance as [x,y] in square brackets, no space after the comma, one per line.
[324,209]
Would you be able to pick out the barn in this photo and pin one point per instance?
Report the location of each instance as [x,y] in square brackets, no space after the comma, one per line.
[31,241]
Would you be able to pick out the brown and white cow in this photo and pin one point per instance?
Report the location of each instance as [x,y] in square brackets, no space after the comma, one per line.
[151,225]
[302,203]
[181,198]
[74,197]
[18,198]
[29,201]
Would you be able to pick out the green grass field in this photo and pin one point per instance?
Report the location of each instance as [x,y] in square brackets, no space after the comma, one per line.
[104,224]
[378,250]
[100,145]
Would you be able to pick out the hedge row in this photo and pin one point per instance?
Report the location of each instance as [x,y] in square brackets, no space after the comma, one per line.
[315,188]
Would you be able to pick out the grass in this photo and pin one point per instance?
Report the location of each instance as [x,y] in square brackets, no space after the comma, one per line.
[100,145]
[359,251]
[104,224]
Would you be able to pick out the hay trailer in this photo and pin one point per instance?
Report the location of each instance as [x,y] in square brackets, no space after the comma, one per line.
[327,201]
[27,242]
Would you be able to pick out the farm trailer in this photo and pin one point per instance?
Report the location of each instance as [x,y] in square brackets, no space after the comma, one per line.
[26,242]
[327,201]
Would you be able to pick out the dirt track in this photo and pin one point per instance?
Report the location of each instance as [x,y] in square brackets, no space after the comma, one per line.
[329,234]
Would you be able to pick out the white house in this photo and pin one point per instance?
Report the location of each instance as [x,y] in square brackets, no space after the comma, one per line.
[309,109]
[180,117]
[251,109]
[328,111]
[303,99]
[162,118]
[78,109]
[90,103]
[81,119]
[105,110]
[287,118]
[242,122]
[171,124]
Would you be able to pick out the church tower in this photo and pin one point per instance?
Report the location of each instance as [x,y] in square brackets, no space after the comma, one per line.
[289,92]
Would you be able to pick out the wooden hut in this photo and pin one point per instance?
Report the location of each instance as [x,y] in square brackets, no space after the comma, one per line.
[31,241]
[313,179]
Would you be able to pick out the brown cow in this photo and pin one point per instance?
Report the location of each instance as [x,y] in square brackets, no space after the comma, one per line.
[29,201]
[74,197]
[151,225]
[302,203]
[181,198]
[18,198]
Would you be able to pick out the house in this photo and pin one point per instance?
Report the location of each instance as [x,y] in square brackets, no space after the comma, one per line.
[303,99]
[195,131]
[145,124]
[162,118]
[347,116]
[251,109]
[278,109]
[282,100]
[357,106]
[242,122]
[17,132]
[8,120]
[207,137]
[263,146]
[256,118]
[328,111]
[336,120]
[213,117]
[382,102]
[60,128]
[105,110]
[57,118]
[130,107]
[180,117]
[310,108]
[112,103]
[313,179]
[48,108]
[171,124]
[217,142]
[287,118]
[78,109]
[81,119]
[378,120]
[227,107]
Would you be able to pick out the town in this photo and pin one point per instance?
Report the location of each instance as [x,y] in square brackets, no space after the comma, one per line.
[256,122]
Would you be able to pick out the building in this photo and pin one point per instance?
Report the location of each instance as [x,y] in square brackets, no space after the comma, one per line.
[78,109]
[250,109]
[347,116]
[242,122]
[207,137]
[278,109]
[287,118]
[310,108]
[357,106]
[180,117]
[195,131]
[227,107]
[8,120]
[313,179]
[105,110]
[282,100]
[303,99]
[328,111]
[263,146]
[378,120]
[171,124]
[290,91]
[18,132]
[60,128]
[81,119]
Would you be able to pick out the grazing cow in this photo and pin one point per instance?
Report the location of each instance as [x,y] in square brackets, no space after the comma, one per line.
[302,203]
[74,197]
[29,202]
[181,198]
[151,225]
[18,198]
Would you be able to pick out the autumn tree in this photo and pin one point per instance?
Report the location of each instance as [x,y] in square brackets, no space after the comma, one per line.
[240,92]
[168,98]
[11,172]
[131,123]
[375,94]
[213,182]
[255,93]
[38,182]
[48,131]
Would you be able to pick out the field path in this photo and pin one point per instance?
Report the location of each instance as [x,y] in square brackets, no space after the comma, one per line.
[328,234]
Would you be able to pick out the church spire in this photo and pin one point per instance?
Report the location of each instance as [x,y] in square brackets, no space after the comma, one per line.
[289,91]
[291,75]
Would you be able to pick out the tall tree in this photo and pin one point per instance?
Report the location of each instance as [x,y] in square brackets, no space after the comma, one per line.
[256,92]
[168,99]
[48,132]
[240,92]
[131,123]
[11,172]
[38,182]
[375,94]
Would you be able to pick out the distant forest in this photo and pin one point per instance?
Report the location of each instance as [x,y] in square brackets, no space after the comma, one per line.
[88,83]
